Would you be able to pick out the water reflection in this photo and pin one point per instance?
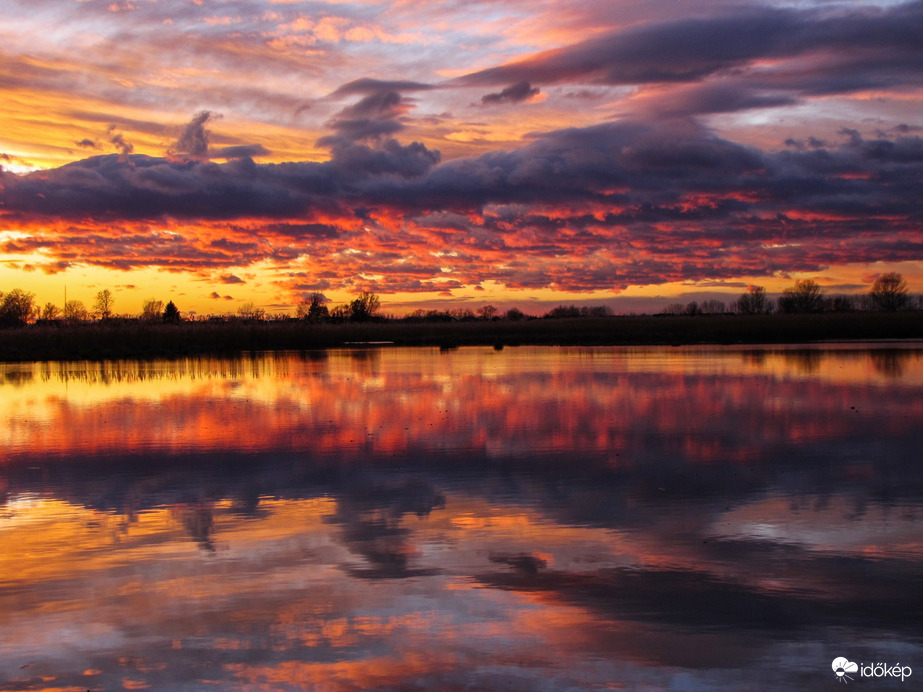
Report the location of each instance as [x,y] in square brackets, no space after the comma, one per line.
[410,519]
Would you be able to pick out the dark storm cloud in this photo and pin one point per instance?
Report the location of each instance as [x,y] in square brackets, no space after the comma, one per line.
[373,86]
[241,151]
[374,117]
[193,140]
[303,230]
[389,157]
[850,49]
[521,91]
[724,97]
[634,166]
[117,139]
[581,208]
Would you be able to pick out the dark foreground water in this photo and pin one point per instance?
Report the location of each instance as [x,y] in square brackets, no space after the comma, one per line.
[410,519]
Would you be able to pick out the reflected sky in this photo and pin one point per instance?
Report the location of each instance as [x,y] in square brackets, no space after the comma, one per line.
[397,519]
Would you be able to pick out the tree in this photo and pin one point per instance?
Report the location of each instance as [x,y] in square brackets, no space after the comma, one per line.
[563,311]
[315,309]
[595,311]
[171,314]
[712,307]
[889,292]
[804,296]
[75,311]
[152,310]
[753,302]
[50,311]
[16,308]
[515,314]
[104,303]
[249,311]
[364,308]
[487,312]
[340,313]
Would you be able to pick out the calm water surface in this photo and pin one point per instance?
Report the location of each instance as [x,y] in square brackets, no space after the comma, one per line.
[410,519]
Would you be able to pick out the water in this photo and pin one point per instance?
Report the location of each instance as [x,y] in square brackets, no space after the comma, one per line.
[410,519]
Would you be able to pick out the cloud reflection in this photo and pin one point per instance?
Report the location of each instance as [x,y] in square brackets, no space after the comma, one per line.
[535,518]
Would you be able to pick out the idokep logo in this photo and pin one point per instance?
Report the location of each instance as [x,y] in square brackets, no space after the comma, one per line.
[843,666]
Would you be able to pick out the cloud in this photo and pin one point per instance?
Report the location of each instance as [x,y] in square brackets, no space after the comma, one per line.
[192,143]
[375,86]
[123,147]
[373,117]
[241,151]
[521,91]
[231,279]
[775,54]
[595,208]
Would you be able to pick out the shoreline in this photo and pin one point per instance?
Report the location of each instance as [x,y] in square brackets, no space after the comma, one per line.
[131,339]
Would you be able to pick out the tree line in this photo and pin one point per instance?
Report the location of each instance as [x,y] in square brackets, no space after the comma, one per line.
[889,293]
[18,308]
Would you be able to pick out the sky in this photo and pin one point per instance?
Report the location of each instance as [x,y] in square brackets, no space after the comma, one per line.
[447,154]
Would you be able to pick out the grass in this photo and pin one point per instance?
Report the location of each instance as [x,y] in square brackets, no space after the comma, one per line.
[100,341]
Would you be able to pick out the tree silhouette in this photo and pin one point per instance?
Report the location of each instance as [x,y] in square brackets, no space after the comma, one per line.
[889,292]
[562,311]
[804,296]
[753,302]
[75,311]
[365,307]
[16,308]
[152,310]
[104,303]
[487,312]
[249,311]
[50,311]
[316,309]
[171,314]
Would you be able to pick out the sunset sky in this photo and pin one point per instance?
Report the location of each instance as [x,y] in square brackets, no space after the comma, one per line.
[451,154]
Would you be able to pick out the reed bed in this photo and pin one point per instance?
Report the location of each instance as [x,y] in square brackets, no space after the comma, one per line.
[134,339]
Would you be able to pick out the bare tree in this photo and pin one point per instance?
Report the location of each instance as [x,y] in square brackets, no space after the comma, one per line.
[753,302]
[340,313]
[314,309]
[595,311]
[151,310]
[249,311]
[364,307]
[104,303]
[50,311]
[713,307]
[16,308]
[75,311]
[889,292]
[804,296]
[487,312]
[563,311]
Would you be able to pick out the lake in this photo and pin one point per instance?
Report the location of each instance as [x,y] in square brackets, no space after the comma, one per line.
[720,518]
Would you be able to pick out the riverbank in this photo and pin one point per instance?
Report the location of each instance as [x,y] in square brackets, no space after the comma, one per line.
[99,341]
